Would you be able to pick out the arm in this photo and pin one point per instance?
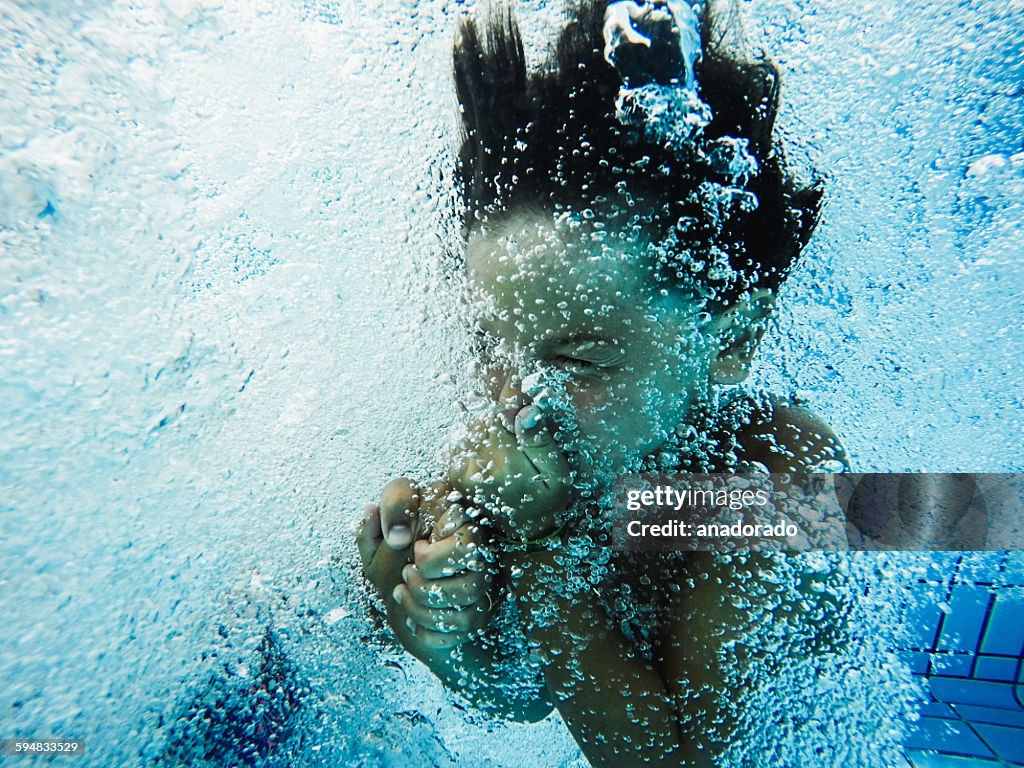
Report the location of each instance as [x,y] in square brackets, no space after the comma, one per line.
[436,606]
[472,670]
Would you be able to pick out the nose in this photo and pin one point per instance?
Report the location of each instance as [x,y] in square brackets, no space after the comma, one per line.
[512,390]
[510,397]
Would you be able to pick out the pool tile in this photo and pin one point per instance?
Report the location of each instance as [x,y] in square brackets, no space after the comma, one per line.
[979,692]
[1006,742]
[978,716]
[951,664]
[921,620]
[938,709]
[916,661]
[930,760]
[942,567]
[1004,633]
[981,567]
[961,628]
[996,668]
[1013,569]
[975,714]
[945,735]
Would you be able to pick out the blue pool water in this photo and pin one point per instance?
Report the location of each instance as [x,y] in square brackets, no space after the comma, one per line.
[221,332]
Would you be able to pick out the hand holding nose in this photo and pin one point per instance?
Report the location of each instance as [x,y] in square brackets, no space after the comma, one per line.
[518,478]
[510,399]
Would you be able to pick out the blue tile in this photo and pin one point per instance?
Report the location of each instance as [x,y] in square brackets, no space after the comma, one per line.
[1008,743]
[973,714]
[996,668]
[961,629]
[917,661]
[1004,633]
[932,760]
[947,736]
[938,709]
[1013,569]
[921,620]
[951,664]
[980,692]
[981,567]
[942,567]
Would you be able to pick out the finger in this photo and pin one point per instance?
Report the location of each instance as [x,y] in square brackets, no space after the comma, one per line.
[399,506]
[457,591]
[369,536]
[457,514]
[469,460]
[436,641]
[533,432]
[385,570]
[437,619]
[433,503]
[459,552]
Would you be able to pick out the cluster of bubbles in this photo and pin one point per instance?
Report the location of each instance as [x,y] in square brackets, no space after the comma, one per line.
[673,115]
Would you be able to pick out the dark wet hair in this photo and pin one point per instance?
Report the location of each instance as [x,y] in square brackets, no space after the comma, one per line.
[551,138]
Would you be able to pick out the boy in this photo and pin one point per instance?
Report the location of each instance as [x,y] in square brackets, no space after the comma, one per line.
[627,224]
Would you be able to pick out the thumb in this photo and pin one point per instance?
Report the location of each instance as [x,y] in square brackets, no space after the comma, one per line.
[535,438]
[399,513]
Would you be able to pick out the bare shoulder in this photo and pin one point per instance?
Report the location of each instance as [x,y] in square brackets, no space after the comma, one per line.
[790,438]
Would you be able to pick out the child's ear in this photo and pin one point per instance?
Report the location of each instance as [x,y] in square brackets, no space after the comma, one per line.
[740,328]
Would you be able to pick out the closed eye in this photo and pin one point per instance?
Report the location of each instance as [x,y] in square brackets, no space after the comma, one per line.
[589,356]
[567,361]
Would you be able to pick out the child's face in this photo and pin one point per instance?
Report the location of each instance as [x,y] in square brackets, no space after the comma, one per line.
[548,297]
